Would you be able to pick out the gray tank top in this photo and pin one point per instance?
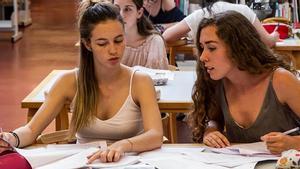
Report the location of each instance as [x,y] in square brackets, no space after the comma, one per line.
[273,117]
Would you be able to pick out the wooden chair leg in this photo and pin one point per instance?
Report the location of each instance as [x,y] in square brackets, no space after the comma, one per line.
[173,128]
[31,112]
[172,56]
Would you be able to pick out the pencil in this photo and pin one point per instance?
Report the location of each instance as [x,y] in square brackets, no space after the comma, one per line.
[291,131]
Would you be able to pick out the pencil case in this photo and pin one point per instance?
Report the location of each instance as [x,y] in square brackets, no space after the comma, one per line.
[289,160]
[283,29]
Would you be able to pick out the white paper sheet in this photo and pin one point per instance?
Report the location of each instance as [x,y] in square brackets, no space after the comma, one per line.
[225,160]
[38,157]
[178,162]
[80,159]
[251,149]
[172,150]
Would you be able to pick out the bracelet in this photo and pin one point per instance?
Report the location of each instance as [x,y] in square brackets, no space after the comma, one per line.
[131,144]
[16,137]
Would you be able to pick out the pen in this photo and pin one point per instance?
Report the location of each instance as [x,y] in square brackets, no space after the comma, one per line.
[276,28]
[291,131]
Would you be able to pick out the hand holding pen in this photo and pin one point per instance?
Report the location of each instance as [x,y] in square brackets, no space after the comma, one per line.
[276,28]
[278,142]
[275,33]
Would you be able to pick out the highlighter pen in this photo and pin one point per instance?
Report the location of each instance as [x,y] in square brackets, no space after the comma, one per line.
[291,131]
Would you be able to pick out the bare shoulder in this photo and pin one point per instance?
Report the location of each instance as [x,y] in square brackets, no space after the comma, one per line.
[68,77]
[285,83]
[142,87]
[66,83]
[141,79]
[283,77]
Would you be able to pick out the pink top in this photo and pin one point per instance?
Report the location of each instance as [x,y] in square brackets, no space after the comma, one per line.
[151,54]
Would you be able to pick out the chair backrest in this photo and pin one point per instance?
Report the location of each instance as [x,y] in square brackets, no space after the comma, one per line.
[59,137]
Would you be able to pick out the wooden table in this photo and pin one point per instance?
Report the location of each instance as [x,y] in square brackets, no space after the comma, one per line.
[175,98]
[176,49]
[289,48]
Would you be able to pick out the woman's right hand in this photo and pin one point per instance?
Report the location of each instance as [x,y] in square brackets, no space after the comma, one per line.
[215,139]
[275,35]
[6,141]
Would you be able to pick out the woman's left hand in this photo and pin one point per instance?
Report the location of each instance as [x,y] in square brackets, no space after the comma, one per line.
[278,142]
[112,154]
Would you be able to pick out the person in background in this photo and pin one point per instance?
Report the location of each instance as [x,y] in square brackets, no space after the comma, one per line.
[210,7]
[144,46]
[162,13]
[241,85]
[109,101]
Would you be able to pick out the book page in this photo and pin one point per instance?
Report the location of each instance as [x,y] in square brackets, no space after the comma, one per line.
[44,155]
[250,149]
[80,160]
[41,156]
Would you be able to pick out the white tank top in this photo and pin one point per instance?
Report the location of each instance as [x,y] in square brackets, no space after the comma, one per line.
[126,123]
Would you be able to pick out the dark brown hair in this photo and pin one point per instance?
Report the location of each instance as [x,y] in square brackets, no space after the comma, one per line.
[246,50]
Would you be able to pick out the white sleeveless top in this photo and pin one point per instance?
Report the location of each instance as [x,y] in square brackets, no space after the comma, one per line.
[126,123]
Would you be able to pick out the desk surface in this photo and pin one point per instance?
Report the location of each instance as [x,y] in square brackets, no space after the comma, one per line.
[178,92]
[260,165]
[288,45]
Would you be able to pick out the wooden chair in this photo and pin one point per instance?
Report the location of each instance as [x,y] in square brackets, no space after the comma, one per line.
[58,137]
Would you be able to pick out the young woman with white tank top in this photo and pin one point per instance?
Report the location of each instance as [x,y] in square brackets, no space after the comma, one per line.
[110,101]
[127,122]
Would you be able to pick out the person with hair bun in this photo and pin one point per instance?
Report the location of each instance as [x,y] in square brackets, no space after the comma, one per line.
[109,101]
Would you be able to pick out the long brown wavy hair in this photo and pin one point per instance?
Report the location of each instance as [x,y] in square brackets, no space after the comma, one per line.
[91,13]
[246,50]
